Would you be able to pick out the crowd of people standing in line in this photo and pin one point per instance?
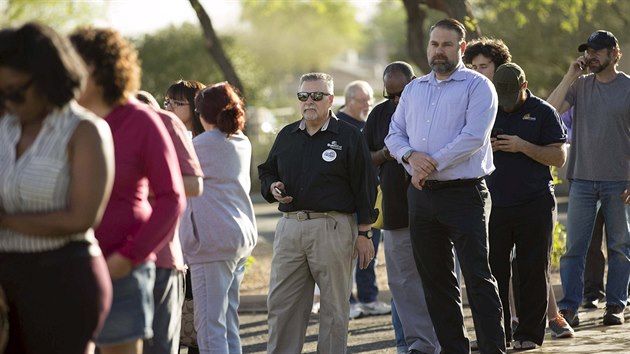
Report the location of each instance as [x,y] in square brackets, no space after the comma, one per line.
[95,179]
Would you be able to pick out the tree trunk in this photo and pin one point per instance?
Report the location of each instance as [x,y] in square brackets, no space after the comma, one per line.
[416,15]
[213,45]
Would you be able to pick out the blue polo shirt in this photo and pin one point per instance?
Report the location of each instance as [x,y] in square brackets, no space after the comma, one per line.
[518,178]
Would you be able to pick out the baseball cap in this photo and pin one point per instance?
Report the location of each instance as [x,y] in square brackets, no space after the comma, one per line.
[508,80]
[598,40]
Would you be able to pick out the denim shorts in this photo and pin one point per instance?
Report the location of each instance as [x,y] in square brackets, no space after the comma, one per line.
[131,315]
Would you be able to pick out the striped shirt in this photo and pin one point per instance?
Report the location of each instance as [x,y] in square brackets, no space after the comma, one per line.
[37,181]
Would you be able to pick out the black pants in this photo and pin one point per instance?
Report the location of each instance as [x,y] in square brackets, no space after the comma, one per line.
[58,300]
[530,227]
[439,219]
[595,262]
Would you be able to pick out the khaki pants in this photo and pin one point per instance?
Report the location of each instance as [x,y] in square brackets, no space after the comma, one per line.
[304,253]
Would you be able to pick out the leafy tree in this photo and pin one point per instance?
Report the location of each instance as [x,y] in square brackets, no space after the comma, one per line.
[297,36]
[214,47]
[543,35]
[61,15]
[177,52]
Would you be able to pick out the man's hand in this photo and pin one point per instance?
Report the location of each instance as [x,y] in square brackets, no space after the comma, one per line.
[508,143]
[364,248]
[280,187]
[119,266]
[423,165]
[386,154]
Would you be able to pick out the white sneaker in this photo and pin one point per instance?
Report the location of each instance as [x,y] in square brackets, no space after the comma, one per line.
[315,308]
[355,311]
[375,308]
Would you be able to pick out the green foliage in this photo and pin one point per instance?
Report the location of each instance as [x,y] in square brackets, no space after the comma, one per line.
[176,53]
[559,245]
[543,35]
[388,31]
[61,15]
[297,36]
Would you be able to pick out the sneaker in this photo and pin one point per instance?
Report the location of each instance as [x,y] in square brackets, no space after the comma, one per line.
[376,308]
[571,317]
[590,303]
[560,328]
[355,311]
[613,315]
[315,308]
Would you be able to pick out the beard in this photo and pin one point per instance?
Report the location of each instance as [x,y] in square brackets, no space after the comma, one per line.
[445,66]
[599,67]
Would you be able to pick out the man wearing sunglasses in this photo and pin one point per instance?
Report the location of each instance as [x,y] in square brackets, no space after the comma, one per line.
[320,173]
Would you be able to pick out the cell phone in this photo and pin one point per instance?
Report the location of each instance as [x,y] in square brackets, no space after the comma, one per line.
[282,192]
[495,132]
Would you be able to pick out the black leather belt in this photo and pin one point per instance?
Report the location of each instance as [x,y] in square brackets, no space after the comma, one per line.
[434,184]
[304,215]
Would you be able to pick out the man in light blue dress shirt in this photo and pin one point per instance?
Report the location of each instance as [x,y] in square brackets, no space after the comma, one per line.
[440,132]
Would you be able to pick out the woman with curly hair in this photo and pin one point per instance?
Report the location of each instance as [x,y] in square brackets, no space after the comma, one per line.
[180,99]
[57,171]
[218,230]
[132,229]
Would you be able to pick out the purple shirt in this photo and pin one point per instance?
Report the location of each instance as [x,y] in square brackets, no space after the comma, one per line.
[448,120]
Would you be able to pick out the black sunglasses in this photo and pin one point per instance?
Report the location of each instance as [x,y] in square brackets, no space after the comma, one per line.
[316,96]
[392,96]
[18,95]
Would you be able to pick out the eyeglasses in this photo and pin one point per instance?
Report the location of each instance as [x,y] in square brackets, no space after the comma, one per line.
[174,104]
[316,96]
[18,95]
[392,96]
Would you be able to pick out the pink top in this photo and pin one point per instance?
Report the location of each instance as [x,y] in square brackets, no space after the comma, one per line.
[144,154]
[170,256]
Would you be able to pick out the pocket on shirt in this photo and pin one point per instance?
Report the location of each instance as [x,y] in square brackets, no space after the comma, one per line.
[38,181]
[455,108]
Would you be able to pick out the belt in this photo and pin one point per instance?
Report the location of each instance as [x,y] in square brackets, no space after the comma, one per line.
[434,184]
[304,215]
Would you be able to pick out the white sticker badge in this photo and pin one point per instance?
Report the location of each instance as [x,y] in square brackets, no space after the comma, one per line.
[329,155]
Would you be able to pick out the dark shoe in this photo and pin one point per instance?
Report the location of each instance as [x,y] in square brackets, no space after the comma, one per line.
[613,315]
[571,317]
[590,303]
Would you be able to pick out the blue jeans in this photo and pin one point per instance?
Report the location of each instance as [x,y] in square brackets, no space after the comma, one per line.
[216,290]
[168,298]
[367,290]
[401,344]
[583,198]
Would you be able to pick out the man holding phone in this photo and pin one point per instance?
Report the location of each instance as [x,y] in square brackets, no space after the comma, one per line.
[319,170]
[599,170]
[528,137]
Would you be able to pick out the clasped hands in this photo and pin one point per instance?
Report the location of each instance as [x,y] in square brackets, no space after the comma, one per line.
[422,166]
[507,143]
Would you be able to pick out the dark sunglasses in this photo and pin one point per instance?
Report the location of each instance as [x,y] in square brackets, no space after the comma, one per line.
[316,96]
[392,96]
[18,95]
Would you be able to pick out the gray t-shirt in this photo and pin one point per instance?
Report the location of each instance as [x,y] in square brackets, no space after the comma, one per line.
[600,149]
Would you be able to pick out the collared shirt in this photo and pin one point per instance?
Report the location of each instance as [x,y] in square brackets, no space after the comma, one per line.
[449,120]
[348,119]
[393,177]
[327,171]
[518,178]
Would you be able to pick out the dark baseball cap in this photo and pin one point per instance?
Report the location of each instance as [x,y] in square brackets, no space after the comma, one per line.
[508,80]
[599,40]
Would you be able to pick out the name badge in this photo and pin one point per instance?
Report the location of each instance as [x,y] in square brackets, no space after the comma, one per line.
[329,155]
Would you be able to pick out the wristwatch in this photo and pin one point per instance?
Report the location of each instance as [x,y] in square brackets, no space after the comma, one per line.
[367,234]
[406,156]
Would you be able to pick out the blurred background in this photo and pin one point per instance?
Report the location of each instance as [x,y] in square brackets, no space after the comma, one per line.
[263,46]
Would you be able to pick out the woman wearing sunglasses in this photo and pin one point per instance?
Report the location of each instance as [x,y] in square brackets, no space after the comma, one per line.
[56,173]
[132,230]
